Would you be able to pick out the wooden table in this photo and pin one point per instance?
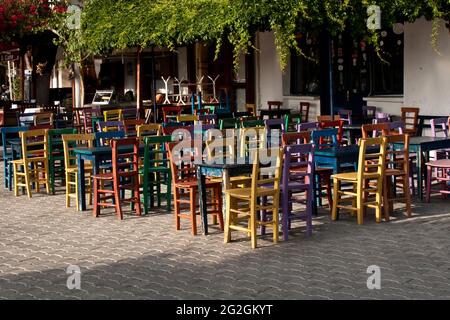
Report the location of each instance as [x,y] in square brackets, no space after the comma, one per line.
[96,155]
[335,157]
[422,146]
[354,131]
[274,113]
[224,171]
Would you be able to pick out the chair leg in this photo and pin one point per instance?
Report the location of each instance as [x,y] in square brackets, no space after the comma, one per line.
[378,199]
[219,208]
[275,218]
[137,197]
[96,200]
[407,195]
[68,190]
[16,187]
[252,227]
[168,193]
[429,177]
[47,180]
[334,211]
[285,215]
[118,205]
[328,187]
[386,185]
[27,180]
[309,209]
[359,202]
[177,208]
[227,232]
[193,212]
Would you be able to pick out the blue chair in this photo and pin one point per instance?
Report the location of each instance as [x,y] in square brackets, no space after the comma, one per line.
[323,139]
[8,134]
[103,138]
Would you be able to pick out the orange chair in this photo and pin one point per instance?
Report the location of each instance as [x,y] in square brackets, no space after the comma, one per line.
[124,176]
[185,189]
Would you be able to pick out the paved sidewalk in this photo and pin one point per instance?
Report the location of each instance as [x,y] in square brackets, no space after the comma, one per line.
[145,258]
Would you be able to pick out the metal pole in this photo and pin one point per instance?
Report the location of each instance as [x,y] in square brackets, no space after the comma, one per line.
[330,63]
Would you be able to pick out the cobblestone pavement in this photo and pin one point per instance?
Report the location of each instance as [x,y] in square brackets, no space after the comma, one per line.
[145,258]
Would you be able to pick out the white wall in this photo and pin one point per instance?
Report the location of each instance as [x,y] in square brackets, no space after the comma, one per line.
[427,74]
[269,84]
[272,83]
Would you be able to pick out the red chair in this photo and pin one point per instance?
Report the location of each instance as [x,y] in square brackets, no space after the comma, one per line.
[185,189]
[130,127]
[338,124]
[171,112]
[124,176]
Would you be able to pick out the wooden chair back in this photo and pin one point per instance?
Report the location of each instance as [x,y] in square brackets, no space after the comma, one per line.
[113,115]
[72,141]
[410,117]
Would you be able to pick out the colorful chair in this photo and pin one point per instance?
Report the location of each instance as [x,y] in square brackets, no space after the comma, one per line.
[304,111]
[108,126]
[171,113]
[439,128]
[243,204]
[89,116]
[104,138]
[274,129]
[308,126]
[231,123]
[298,177]
[274,104]
[113,115]
[156,172]
[251,108]
[152,129]
[338,124]
[33,167]
[397,169]
[442,168]
[70,142]
[346,115]
[410,117]
[292,138]
[8,134]
[371,168]
[56,154]
[130,126]
[124,176]
[185,188]
[43,118]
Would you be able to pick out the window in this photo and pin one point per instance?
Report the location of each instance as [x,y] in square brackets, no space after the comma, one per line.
[305,71]
[387,78]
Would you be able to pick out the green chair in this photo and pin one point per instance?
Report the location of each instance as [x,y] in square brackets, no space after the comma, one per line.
[291,121]
[156,171]
[56,154]
[229,123]
[253,124]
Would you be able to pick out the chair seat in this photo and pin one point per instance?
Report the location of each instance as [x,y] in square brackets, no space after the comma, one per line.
[104,176]
[444,163]
[194,184]
[20,161]
[87,168]
[245,193]
[394,172]
[349,176]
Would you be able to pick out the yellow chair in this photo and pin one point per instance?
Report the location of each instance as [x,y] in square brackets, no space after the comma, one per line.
[187,118]
[113,115]
[367,181]
[223,148]
[251,109]
[43,119]
[243,204]
[252,139]
[152,129]
[33,167]
[70,142]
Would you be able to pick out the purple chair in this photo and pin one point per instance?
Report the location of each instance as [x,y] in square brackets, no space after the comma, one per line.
[208,118]
[105,126]
[346,115]
[439,127]
[396,126]
[274,127]
[369,112]
[308,126]
[381,117]
[298,177]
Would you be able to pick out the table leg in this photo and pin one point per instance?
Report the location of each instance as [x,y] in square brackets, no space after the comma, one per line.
[419,174]
[81,184]
[202,200]
[226,184]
